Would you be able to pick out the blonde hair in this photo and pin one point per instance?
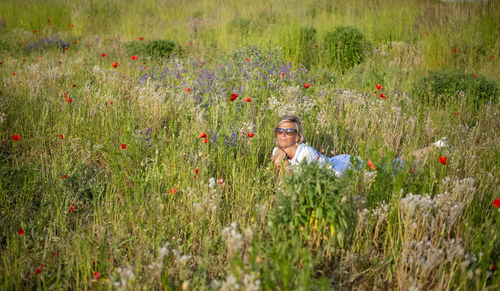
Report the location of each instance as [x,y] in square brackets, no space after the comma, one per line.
[298,124]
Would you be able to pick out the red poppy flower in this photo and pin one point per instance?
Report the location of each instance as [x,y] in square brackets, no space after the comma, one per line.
[234,96]
[315,45]
[220,181]
[442,160]
[426,32]
[243,133]
[13,74]
[172,190]
[48,20]
[250,135]
[378,86]
[72,208]
[103,55]
[455,50]
[412,170]
[61,136]
[74,85]
[206,140]
[196,171]
[110,102]
[34,31]
[493,267]
[172,165]
[492,57]
[64,176]
[187,89]
[473,76]
[282,74]
[496,203]
[134,58]
[66,48]
[74,42]
[370,165]
[247,99]
[141,38]
[16,137]
[68,99]
[382,96]
[115,65]
[20,232]
[306,85]
[1,63]
[39,270]
[248,60]
[124,146]
[97,276]
[456,113]
[203,134]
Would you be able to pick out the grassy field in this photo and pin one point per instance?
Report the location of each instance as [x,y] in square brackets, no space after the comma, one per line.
[107,180]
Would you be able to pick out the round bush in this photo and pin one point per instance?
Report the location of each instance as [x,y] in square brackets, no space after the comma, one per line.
[439,87]
[160,48]
[345,47]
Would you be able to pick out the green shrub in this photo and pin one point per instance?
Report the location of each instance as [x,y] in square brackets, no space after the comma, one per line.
[439,87]
[345,47]
[307,53]
[315,205]
[157,49]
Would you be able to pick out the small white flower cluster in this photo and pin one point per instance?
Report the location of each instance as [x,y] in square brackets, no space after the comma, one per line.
[208,202]
[148,91]
[236,241]
[248,283]
[126,275]
[291,101]
[262,210]
[421,260]
[378,215]
[369,177]
[247,127]
[461,190]
[164,252]
[2,117]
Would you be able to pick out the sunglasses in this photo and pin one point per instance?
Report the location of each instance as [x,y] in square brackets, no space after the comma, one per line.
[288,131]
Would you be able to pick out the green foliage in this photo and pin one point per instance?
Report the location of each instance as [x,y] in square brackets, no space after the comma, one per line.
[307,54]
[439,87]
[317,201]
[345,47]
[157,49]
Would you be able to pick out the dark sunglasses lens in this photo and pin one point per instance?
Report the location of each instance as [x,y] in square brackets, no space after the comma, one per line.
[278,130]
[290,133]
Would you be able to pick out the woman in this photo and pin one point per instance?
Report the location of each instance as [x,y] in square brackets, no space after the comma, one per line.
[291,149]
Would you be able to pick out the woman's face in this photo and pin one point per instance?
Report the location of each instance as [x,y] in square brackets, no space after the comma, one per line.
[284,140]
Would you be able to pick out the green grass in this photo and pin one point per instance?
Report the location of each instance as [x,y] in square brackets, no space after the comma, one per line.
[124,208]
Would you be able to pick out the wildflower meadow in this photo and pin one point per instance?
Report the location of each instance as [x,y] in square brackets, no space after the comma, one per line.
[136,140]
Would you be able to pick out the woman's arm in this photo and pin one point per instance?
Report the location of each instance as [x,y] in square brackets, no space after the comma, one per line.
[281,164]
